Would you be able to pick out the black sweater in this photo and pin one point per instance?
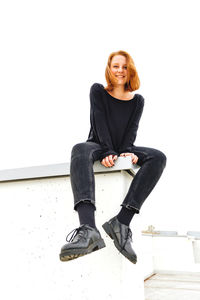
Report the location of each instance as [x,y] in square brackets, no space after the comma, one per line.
[114,122]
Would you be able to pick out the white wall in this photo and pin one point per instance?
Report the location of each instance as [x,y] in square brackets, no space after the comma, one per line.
[52,51]
[38,215]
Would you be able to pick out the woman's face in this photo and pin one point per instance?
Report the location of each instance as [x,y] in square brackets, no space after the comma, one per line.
[118,68]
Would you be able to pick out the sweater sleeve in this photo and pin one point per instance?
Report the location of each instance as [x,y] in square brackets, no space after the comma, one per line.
[99,121]
[131,133]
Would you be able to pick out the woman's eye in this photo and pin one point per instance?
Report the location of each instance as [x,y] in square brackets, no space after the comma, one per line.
[117,67]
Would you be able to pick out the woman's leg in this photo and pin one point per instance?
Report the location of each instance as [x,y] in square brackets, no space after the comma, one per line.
[82,178]
[85,239]
[152,163]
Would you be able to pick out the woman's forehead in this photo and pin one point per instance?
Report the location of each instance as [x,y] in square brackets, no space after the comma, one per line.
[119,59]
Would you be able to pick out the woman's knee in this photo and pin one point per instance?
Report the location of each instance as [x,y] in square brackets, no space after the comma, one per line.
[160,157]
[146,153]
[79,148]
[85,149]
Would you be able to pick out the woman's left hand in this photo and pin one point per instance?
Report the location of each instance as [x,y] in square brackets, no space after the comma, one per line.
[133,157]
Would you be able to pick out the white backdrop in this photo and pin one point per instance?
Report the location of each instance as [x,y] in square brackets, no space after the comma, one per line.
[53,51]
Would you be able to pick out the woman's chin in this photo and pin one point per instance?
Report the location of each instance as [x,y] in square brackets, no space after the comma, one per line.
[121,82]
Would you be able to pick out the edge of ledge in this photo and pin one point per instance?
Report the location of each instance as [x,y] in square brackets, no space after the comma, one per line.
[63,169]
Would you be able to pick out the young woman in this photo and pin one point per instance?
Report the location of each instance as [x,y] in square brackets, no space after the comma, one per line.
[114,115]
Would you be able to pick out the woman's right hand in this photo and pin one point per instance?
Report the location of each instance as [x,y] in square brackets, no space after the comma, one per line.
[108,161]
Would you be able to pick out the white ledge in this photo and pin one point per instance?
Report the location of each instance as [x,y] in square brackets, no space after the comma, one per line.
[63,169]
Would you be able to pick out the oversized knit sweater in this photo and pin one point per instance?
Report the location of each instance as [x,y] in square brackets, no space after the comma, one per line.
[113,122]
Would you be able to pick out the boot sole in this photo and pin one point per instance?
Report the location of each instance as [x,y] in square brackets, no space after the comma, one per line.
[108,229]
[75,253]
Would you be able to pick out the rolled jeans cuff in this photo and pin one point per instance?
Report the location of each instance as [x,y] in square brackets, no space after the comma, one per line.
[86,200]
[130,207]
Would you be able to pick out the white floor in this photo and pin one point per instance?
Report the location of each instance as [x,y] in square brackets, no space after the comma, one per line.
[178,286]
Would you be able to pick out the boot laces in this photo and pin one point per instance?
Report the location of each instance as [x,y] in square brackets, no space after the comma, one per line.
[77,231]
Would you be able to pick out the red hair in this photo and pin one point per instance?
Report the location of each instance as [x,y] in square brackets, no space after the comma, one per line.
[133,81]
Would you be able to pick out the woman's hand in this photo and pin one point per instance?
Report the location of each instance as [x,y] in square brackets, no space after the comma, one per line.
[133,157]
[108,161]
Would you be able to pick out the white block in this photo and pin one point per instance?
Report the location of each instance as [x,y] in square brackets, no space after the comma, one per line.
[36,216]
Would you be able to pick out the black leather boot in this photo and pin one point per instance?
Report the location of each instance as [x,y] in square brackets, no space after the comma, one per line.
[84,240]
[122,236]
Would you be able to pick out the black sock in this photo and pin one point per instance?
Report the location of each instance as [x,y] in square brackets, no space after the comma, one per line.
[86,213]
[125,215]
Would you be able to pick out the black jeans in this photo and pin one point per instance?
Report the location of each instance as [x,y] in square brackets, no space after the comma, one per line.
[151,161]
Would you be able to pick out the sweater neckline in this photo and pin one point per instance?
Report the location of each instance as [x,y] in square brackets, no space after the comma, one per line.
[120,100]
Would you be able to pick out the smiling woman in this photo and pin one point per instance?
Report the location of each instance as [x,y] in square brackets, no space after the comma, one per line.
[114,115]
[121,75]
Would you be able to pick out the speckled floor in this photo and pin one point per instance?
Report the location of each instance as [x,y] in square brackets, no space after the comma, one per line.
[173,287]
